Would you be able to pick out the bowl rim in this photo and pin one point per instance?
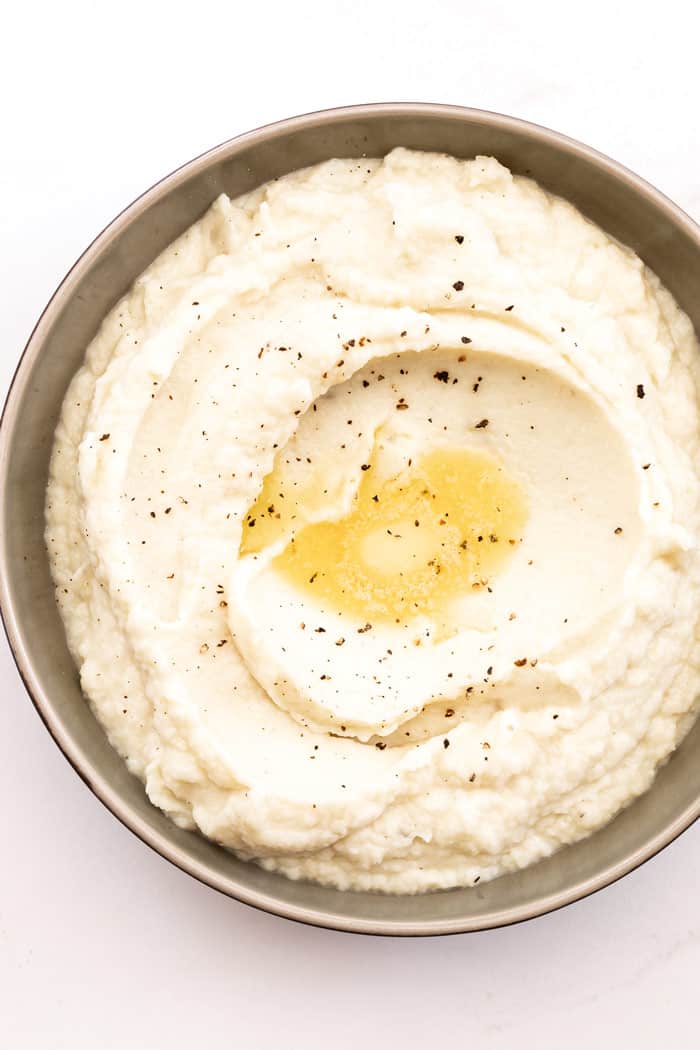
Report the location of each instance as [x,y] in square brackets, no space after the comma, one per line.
[83,766]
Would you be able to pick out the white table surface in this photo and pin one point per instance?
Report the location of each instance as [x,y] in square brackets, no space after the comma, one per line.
[103,944]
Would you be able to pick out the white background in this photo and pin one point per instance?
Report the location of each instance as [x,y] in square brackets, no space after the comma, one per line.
[102,944]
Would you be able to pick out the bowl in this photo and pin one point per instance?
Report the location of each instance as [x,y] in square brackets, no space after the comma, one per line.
[623,204]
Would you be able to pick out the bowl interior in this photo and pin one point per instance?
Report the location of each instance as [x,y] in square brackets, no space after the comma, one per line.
[611,197]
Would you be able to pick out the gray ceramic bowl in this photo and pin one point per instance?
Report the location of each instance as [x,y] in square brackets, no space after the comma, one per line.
[613,197]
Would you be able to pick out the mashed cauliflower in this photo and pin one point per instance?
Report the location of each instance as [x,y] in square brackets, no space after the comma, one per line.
[373,519]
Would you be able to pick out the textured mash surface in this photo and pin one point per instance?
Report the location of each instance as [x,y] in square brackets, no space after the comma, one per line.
[282,332]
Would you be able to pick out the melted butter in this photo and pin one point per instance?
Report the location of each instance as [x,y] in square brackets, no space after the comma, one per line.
[411,545]
[289,498]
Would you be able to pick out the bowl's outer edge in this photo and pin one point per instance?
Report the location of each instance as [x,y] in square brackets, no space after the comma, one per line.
[366,913]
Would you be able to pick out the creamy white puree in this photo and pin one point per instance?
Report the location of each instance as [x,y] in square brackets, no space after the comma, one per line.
[422,754]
